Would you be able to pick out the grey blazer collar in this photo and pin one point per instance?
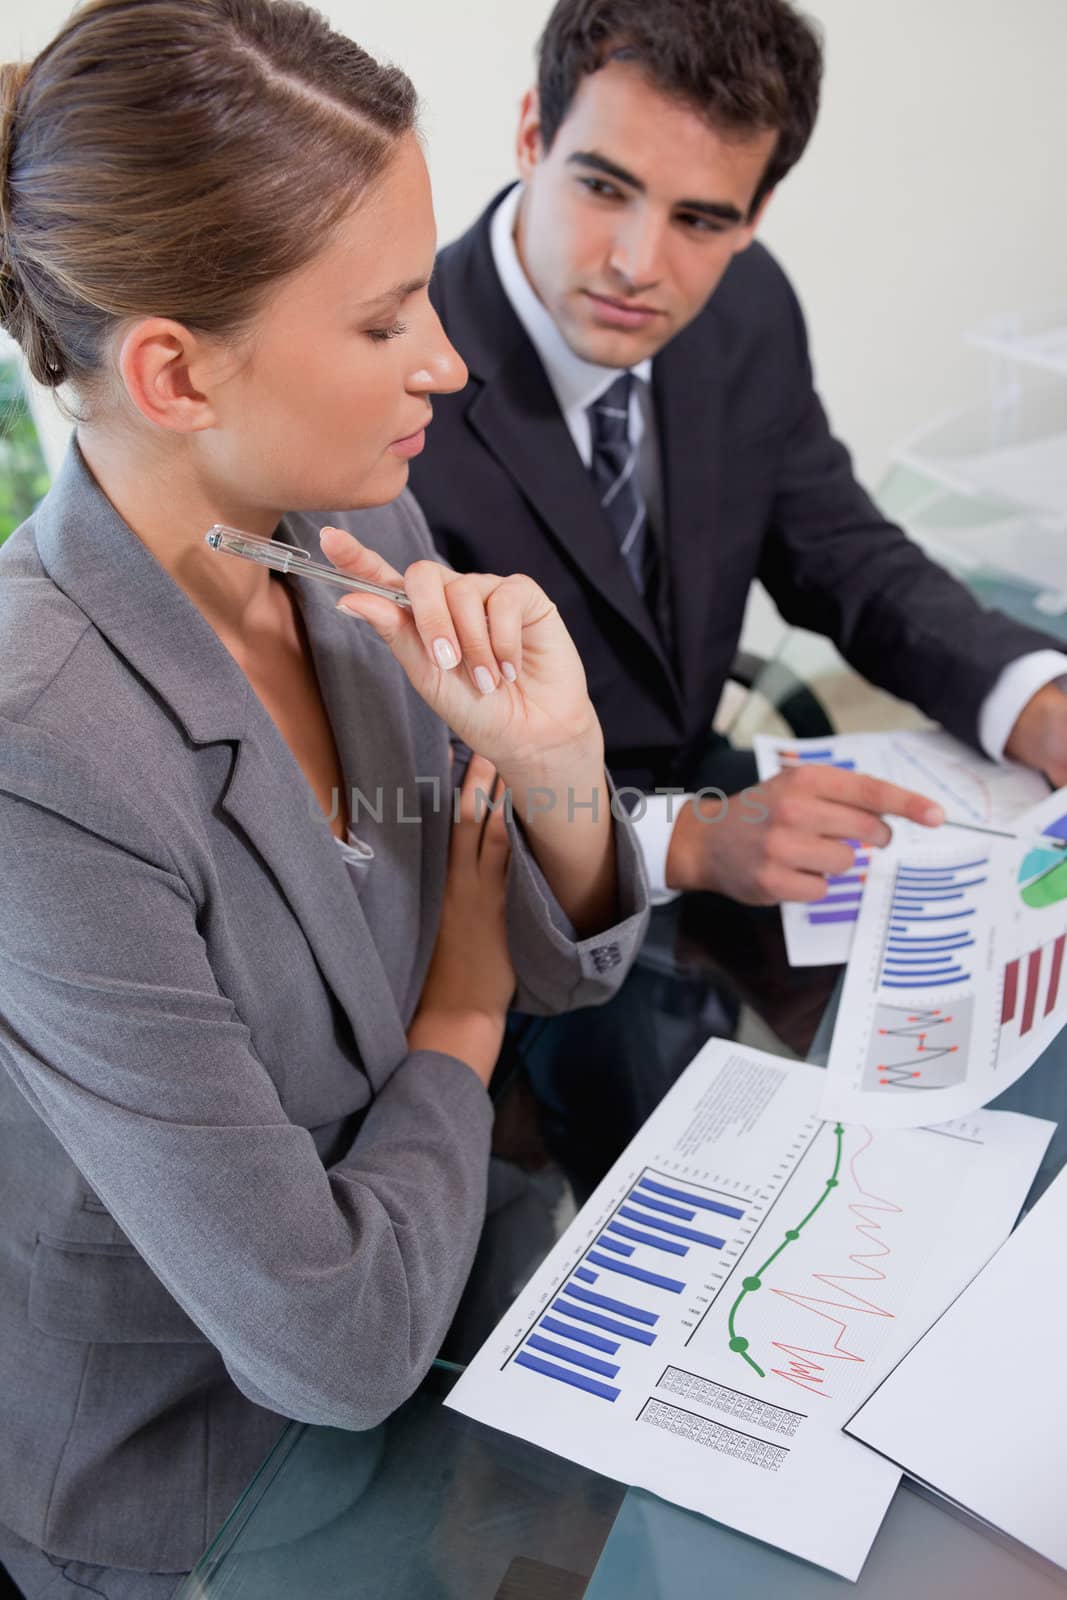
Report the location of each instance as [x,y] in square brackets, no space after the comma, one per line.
[101,565]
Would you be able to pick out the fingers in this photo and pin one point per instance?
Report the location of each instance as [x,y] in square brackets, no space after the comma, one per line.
[504,610]
[466,602]
[475,789]
[425,587]
[343,551]
[874,795]
[480,839]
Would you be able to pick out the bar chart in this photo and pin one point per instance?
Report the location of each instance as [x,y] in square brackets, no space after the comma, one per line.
[632,1282]
[930,938]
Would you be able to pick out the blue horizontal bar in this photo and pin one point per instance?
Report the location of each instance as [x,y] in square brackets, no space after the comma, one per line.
[926,983]
[947,941]
[619,1248]
[964,866]
[583,1336]
[668,1245]
[569,1309]
[686,1213]
[927,898]
[678,1229]
[577,1358]
[926,958]
[675,1285]
[942,916]
[585,1274]
[604,1391]
[605,1303]
[691,1199]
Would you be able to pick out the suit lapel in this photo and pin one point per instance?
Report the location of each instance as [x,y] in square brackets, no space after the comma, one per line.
[687,387]
[151,623]
[515,414]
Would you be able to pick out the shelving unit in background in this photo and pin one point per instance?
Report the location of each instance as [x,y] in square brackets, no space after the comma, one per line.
[985,489]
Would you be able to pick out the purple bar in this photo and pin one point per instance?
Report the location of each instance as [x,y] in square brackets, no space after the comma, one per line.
[852,899]
[854,877]
[833,916]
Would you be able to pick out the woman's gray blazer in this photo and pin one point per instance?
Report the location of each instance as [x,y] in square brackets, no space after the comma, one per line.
[228,1191]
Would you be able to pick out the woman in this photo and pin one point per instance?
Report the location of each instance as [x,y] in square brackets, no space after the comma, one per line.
[243,1120]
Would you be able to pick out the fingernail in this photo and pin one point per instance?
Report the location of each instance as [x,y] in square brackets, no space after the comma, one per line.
[508,671]
[484,679]
[444,654]
[933,816]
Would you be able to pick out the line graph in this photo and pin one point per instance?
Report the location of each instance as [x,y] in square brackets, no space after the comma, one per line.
[750,1285]
[920,1048]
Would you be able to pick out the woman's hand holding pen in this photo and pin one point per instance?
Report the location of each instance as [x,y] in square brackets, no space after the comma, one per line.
[492,657]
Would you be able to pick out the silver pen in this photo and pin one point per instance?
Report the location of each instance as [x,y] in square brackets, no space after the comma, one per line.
[290,558]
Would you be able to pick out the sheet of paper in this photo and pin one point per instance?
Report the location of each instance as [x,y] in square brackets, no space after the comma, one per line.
[970,788]
[978,1410]
[742,1278]
[956,982]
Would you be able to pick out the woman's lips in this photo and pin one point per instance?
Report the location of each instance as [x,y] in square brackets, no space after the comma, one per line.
[409,446]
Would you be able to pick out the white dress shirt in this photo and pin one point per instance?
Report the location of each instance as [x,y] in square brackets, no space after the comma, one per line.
[576,384]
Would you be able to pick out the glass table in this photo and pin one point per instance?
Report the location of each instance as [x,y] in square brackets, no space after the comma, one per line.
[433,1506]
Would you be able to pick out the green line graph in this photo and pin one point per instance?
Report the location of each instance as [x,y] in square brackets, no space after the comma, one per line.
[738,1343]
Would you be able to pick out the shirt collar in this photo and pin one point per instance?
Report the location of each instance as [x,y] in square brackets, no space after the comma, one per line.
[575,383]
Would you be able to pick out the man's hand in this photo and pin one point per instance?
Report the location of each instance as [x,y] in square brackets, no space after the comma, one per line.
[1039,737]
[782,839]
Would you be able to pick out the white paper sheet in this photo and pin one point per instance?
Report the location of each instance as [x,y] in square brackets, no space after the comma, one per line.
[978,1410]
[778,1266]
[970,788]
[957,979]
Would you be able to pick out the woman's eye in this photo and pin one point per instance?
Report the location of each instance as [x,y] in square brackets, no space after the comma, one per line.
[388,333]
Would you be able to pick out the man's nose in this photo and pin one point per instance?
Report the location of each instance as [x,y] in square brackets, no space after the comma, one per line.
[636,252]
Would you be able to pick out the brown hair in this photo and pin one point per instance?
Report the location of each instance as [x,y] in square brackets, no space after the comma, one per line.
[747,66]
[177,158]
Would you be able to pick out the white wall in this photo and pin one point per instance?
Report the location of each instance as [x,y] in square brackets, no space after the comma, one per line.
[931,196]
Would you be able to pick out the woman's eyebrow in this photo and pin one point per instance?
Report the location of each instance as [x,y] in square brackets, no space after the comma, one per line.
[394,295]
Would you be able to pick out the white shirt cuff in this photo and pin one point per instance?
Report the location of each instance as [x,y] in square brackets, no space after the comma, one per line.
[653,827]
[1017,684]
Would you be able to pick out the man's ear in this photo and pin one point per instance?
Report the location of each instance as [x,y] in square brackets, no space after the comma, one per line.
[746,234]
[159,361]
[528,144]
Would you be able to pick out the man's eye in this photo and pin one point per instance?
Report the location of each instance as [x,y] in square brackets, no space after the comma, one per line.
[698,224]
[394,332]
[598,186]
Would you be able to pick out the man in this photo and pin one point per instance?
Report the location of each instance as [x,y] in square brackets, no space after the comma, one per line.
[641,434]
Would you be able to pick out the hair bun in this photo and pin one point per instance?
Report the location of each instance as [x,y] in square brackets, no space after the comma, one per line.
[13,75]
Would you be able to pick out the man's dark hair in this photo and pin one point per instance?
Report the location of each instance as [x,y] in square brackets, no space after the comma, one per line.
[747,66]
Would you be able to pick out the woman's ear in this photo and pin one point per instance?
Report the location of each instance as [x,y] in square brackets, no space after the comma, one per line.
[160,362]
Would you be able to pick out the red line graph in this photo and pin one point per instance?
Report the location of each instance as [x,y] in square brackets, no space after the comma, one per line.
[917,1027]
[807,1366]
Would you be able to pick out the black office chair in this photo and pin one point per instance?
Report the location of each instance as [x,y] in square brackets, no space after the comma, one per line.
[797,704]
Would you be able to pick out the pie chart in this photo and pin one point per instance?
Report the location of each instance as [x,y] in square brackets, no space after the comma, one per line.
[1043,873]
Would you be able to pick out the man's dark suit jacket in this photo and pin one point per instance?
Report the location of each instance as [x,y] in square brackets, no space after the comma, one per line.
[754,486]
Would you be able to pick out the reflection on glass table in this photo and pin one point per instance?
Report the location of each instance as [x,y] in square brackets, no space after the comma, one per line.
[433,1506]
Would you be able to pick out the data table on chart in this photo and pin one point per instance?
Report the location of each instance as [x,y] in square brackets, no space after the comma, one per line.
[737,1286]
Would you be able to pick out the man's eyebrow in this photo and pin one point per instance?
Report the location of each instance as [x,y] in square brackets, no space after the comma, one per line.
[398,292]
[722,210]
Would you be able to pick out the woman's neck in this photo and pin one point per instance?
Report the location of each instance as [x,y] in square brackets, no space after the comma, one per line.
[161,495]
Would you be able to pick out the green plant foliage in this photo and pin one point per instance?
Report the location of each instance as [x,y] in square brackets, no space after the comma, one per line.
[23,473]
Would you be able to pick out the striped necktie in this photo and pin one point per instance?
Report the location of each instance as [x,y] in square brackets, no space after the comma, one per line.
[614,470]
